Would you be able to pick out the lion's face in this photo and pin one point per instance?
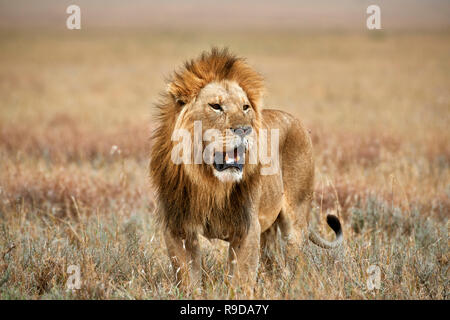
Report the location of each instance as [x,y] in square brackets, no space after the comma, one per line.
[223,108]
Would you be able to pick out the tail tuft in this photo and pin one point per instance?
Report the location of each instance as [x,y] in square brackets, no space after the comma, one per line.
[334,224]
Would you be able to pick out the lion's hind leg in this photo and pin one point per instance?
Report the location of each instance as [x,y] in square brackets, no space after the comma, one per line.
[269,247]
[293,223]
[276,244]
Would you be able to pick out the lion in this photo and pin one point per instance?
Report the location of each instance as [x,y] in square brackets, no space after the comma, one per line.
[225,198]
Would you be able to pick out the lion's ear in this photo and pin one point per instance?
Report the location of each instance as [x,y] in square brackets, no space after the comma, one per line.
[173,91]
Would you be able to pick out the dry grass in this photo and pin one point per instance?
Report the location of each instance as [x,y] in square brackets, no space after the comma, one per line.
[378,109]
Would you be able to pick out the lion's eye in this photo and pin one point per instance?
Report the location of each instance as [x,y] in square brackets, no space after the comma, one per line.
[216,106]
[246,107]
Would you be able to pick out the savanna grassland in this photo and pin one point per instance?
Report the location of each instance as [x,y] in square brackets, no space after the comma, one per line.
[75,120]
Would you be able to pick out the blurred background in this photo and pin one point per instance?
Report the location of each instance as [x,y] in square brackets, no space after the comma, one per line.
[76,106]
[232,14]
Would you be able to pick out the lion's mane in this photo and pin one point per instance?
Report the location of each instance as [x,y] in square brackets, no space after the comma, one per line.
[185,204]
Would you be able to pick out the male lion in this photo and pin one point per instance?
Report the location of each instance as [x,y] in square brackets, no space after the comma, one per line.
[225,198]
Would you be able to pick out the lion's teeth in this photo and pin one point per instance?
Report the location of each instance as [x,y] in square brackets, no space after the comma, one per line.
[229,159]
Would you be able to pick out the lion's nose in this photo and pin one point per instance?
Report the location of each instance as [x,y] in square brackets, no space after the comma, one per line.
[242,131]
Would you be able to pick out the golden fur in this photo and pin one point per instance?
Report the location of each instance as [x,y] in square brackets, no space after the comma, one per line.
[246,212]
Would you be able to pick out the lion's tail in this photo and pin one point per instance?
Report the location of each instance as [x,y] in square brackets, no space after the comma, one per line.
[334,224]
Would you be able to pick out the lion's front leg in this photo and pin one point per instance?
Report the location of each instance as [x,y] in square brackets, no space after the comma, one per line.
[185,257]
[243,259]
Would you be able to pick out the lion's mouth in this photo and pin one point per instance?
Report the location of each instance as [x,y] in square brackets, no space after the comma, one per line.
[230,159]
